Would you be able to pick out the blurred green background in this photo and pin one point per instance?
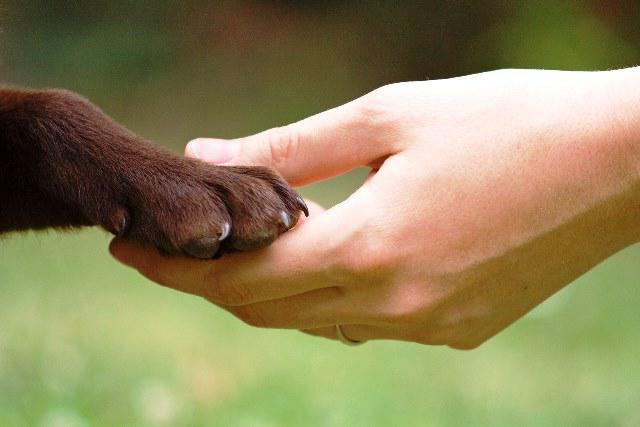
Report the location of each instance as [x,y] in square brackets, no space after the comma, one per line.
[84,341]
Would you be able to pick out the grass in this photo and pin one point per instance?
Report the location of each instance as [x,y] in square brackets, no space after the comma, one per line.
[85,341]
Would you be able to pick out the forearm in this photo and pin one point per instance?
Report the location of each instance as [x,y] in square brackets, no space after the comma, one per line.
[22,159]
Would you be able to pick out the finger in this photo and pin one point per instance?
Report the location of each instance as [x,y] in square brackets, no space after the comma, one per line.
[294,264]
[180,273]
[318,147]
[312,309]
[366,332]
[304,259]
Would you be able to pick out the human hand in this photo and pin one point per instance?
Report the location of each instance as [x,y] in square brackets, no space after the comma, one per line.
[488,193]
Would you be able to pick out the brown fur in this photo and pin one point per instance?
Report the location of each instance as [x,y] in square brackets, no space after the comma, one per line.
[63,164]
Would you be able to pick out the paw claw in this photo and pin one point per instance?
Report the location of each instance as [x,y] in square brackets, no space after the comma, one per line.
[124,226]
[226,230]
[285,220]
[302,205]
[119,223]
[203,248]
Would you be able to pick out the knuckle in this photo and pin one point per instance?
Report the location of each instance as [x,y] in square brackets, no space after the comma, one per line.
[376,108]
[359,260]
[409,307]
[228,293]
[386,109]
[283,143]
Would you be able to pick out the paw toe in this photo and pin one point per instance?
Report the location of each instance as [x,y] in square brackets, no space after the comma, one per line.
[255,240]
[209,246]
[118,222]
[203,248]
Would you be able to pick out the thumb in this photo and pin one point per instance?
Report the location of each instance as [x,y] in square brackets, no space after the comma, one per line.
[318,147]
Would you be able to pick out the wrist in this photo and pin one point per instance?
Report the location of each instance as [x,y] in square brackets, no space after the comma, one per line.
[622,89]
[620,100]
[593,126]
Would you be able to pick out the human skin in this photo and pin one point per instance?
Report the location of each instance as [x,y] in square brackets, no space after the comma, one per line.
[487,194]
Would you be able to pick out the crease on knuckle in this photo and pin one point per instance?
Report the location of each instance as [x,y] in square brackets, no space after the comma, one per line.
[283,144]
[378,111]
[227,292]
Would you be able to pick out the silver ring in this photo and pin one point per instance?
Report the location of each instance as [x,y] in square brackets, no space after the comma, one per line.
[344,340]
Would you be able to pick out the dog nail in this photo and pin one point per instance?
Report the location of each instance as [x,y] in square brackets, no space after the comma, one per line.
[124,226]
[303,206]
[226,229]
[119,222]
[285,220]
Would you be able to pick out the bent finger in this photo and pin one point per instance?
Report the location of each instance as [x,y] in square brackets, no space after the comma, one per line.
[302,260]
[180,273]
[314,309]
[319,147]
[367,332]
[198,277]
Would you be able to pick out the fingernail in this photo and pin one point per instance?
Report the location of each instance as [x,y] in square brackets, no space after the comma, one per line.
[213,150]
[193,149]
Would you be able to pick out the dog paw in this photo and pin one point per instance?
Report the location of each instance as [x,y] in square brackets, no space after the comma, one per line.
[204,211]
[89,170]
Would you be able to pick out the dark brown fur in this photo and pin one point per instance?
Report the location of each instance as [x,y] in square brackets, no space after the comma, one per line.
[63,164]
